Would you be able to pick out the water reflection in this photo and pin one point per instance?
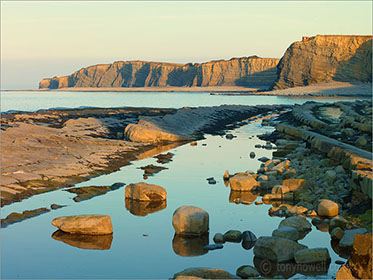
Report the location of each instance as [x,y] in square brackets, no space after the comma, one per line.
[270,269]
[242,197]
[143,208]
[190,246]
[343,253]
[83,241]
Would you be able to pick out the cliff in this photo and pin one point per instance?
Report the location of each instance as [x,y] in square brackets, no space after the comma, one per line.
[324,58]
[246,71]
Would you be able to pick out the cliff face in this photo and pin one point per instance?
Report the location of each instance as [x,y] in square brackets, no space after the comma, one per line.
[246,71]
[324,58]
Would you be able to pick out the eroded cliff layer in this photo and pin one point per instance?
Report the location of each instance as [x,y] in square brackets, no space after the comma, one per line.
[323,58]
[246,71]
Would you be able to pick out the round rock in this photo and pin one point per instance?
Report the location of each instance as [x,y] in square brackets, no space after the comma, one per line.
[190,220]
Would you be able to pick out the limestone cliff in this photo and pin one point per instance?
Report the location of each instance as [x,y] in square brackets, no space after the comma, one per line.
[324,58]
[245,71]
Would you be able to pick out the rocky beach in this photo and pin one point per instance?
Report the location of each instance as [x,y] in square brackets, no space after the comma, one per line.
[267,175]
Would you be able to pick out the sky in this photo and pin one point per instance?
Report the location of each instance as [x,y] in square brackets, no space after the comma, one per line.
[46,38]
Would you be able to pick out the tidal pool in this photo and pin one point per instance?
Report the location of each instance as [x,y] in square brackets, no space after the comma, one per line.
[143,245]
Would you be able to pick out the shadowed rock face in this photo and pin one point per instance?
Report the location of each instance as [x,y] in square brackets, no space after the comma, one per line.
[143,208]
[245,71]
[325,58]
[83,241]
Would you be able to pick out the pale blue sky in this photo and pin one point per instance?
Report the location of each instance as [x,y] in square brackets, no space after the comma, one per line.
[41,39]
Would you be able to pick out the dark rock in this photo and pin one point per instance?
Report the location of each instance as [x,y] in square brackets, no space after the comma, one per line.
[213,247]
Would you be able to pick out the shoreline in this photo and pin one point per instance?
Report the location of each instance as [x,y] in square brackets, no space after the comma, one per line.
[53,149]
[346,89]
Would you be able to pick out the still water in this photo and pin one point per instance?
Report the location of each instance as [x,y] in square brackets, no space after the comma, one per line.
[29,251]
[32,101]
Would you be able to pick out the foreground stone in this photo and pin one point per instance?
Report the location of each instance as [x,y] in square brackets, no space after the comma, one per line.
[243,182]
[298,222]
[313,255]
[286,232]
[276,249]
[327,208]
[204,273]
[247,271]
[84,224]
[145,192]
[190,220]
[359,266]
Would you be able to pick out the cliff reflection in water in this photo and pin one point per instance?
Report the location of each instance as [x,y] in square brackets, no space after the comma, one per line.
[83,241]
[190,246]
[143,208]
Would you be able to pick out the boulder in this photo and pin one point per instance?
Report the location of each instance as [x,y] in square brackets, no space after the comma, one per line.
[243,182]
[294,184]
[247,271]
[145,192]
[84,224]
[204,273]
[276,249]
[327,208]
[286,232]
[233,236]
[190,220]
[298,222]
[347,240]
[313,255]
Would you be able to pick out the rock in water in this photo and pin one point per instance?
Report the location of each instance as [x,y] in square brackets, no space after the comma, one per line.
[84,224]
[226,175]
[359,266]
[313,255]
[190,220]
[248,236]
[233,236]
[218,238]
[327,208]
[247,271]
[348,237]
[298,222]
[145,192]
[286,232]
[276,249]
[243,182]
[213,247]
[252,155]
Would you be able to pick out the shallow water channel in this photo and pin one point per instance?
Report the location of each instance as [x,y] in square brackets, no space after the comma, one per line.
[145,246]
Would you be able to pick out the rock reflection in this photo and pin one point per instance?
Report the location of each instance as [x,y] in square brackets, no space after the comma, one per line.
[190,246]
[343,253]
[242,197]
[270,269]
[83,241]
[143,208]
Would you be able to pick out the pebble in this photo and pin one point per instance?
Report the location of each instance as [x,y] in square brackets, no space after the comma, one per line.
[218,238]
[252,155]
[213,247]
